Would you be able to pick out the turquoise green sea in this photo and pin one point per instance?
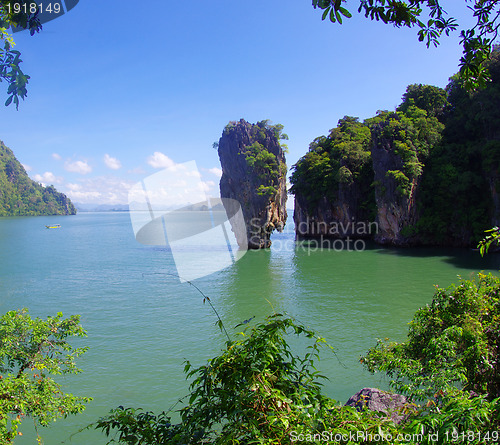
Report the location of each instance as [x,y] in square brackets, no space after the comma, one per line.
[143,323]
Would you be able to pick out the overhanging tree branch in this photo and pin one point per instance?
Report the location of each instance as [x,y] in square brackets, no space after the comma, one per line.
[432,20]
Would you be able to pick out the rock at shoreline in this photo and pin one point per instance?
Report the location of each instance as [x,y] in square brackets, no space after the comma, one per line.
[394,406]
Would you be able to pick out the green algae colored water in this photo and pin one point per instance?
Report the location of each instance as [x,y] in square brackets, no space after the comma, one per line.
[142,322]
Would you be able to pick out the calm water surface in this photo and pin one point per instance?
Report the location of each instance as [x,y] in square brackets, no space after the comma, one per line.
[143,323]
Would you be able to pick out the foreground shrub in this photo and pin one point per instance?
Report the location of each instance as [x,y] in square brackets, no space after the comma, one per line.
[32,352]
[256,391]
[259,392]
[452,343]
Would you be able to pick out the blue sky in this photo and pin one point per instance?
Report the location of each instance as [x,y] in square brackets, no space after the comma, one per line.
[120,89]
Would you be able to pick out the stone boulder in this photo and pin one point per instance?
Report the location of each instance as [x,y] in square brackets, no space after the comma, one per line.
[394,406]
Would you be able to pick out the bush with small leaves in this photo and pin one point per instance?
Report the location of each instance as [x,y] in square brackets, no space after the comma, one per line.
[32,352]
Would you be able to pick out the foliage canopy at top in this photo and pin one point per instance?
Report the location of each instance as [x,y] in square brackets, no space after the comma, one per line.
[10,59]
[433,21]
[428,15]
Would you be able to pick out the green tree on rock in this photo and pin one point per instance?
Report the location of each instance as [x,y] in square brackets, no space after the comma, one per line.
[425,97]
[339,161]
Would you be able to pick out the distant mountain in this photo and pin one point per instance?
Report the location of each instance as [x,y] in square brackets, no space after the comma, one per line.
[101,207]
[136,206]
[21,196]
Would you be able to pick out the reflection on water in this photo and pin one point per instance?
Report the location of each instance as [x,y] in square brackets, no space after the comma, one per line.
[143,323]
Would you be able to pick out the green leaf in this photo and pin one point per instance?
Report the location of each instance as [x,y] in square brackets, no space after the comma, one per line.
[345,12]
[339,17]
[332,15]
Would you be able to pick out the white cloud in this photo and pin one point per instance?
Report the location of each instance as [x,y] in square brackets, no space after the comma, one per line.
[137,171]
[175,186]
[73,187]
[161,160]
[56,156]
[48,178]
[86,197]
[215,171]
[99,190]
[112,163]
[192,173]
[27,167]
[81,167]
[207,185]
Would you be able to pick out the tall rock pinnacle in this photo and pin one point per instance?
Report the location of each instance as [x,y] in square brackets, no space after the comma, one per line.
[254,174]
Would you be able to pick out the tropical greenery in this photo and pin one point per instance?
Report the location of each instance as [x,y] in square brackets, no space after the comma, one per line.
[260,390]
[439,150]
[266,167]
[19,195]
[256,391]
[492,238]
[32,353]
[450,361]
[10,59]
[411,134]
[432,22]
[452,343]
[341,167]
[461,176]
[341,160]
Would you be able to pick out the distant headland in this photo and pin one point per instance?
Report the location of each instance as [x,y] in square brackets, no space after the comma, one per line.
[21,196]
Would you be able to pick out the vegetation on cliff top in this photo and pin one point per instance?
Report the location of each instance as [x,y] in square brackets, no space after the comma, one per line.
[264,166]
[411,134]
[21,196]
[444,141]
[263,163]
[342,157]
[462,176]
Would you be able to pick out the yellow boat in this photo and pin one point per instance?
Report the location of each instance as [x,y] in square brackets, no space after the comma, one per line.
[54,226]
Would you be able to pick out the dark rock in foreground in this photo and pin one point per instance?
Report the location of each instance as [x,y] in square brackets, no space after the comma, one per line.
[394,406]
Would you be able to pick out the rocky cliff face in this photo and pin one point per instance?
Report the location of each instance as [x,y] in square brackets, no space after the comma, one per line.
[343,217]
[332,184]
[363,179]
[494,182]
[434,169]
[347,212]
[395,193]
[254,174]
